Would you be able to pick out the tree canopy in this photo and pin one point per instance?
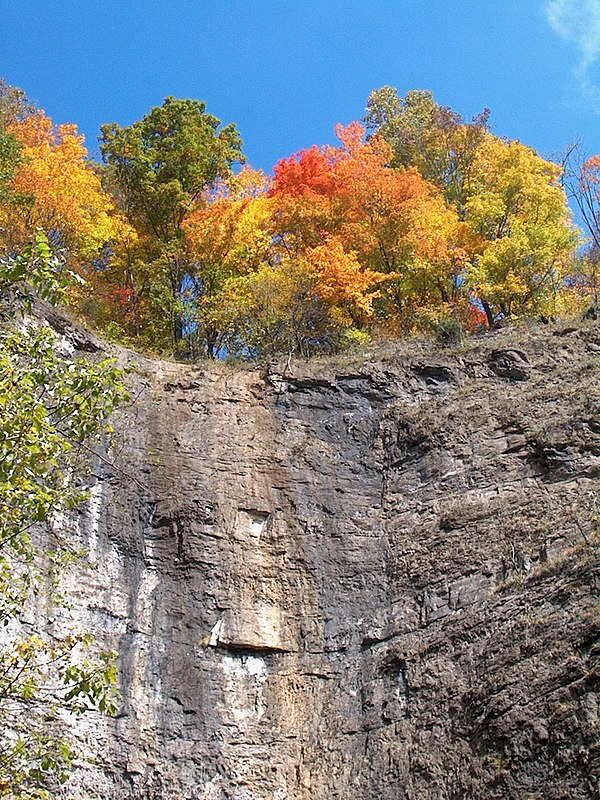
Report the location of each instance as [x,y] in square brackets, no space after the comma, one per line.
[416,217]
[160,166]
[432,138]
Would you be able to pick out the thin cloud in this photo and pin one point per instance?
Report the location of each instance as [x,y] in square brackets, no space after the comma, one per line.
[578,22]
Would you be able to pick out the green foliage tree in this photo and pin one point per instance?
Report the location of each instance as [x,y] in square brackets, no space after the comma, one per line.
[53,409]
[158,169]
[10,156]
[14,107]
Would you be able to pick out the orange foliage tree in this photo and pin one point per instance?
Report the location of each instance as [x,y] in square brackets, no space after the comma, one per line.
[395,221]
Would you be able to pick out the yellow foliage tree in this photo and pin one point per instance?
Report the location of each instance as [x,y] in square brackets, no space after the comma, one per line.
[227,236]
[519,211]
[56,189]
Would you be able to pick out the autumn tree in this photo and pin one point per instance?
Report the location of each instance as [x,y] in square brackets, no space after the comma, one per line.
[434,139]
[397,223]
[55,188]
[158,169]
[519,210]
[517,240]
[401,225]
[227,236]
[48,183]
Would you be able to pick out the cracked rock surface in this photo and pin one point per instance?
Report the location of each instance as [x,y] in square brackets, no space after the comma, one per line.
[370,578]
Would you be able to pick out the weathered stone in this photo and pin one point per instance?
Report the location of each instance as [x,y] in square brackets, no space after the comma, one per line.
[364,580]
[510,363]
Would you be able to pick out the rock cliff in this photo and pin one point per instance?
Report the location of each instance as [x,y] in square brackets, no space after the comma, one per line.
[369,578]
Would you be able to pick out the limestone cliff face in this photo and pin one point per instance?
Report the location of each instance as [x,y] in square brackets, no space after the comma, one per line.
[364,579]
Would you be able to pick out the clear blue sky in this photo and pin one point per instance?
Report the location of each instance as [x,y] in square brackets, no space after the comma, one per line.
[286,71]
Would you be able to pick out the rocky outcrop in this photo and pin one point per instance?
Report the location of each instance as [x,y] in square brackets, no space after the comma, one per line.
[367,578]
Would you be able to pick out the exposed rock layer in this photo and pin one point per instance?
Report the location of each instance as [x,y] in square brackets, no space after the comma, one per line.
[361,579]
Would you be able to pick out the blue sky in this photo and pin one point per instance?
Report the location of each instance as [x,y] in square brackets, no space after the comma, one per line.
[286,71]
